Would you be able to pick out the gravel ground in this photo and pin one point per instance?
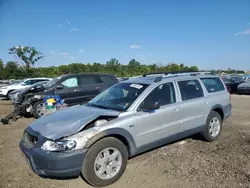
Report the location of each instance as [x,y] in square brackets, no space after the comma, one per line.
[188,163]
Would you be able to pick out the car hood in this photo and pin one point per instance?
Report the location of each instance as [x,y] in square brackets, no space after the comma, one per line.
[246,84]
[31,89]
[68,121]
[15,86]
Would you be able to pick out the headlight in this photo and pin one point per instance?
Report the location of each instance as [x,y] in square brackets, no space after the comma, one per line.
[37,97]
[62,145]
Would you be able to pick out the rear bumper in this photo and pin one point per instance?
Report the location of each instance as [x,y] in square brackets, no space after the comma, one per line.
[53,164]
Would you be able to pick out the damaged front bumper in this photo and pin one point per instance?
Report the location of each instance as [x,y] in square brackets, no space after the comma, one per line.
[51,164]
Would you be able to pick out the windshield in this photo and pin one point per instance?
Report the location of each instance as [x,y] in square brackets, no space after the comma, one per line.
[51,82]
[119,97]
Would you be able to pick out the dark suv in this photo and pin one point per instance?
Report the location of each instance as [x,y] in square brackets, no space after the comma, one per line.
[74,89]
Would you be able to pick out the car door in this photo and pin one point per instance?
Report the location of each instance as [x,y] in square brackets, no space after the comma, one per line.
[194,107]
[89,87]
[155,126]
[68,89]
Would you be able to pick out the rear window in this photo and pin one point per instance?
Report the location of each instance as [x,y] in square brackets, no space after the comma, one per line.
[88,80]
[106,78]
[213,84]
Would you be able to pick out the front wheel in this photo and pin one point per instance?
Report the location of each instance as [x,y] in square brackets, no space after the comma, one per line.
[38,109]
[105,162]
[213,127]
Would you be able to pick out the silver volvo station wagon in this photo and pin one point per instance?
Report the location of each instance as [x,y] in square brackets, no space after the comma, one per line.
[97,139]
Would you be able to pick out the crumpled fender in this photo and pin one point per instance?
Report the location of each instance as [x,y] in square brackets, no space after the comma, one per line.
[68,121]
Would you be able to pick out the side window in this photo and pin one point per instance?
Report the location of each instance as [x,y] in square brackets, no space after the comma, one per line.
[106,78]
[70,82]
[190,89]
[42,80]
[29,82]
[163,94]
[87,80]
[36,81]
[213,84]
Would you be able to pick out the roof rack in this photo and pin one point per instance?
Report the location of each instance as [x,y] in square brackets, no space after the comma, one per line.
[173,74]
[177,72]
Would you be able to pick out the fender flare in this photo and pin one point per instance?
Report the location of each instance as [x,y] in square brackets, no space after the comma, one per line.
[217,106]
[114,132]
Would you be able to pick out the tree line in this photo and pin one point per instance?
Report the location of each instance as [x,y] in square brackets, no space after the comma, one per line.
[29,56]
[13,70]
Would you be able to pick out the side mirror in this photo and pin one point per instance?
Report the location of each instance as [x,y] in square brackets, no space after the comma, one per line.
[23,84]
[150,107]
[156,105]
[59,87]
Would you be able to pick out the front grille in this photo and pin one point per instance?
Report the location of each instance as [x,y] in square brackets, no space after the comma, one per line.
[29,140]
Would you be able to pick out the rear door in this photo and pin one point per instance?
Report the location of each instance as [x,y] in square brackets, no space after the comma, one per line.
[194,105]
[89,87]
[69,90]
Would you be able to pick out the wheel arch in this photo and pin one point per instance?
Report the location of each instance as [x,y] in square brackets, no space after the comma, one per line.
[219,109]
[121,134]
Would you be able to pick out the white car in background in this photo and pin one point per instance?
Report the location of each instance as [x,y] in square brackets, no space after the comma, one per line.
[5,90]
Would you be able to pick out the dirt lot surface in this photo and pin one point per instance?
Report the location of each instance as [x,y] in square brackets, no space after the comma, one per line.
[189,163]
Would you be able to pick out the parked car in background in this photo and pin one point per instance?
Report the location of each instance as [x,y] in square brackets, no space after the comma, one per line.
[20,92]
[4,83]
[246,77]
[232,82]
[5,90]
[73,89]
[131,117]
[244,88]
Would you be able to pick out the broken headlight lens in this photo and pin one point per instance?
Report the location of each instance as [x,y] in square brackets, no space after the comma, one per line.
[62,145]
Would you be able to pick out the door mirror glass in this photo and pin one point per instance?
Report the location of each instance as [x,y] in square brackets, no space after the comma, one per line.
[150,107]
[59,87]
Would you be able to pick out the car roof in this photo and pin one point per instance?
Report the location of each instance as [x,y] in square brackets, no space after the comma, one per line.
[94,74]
[38,78]
[151,79]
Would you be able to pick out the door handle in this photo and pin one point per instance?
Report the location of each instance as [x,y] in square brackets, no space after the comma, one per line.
[97,88]
[176,110]
[75,90]
[205,102]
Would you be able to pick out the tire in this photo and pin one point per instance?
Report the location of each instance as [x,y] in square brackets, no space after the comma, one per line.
[212,134]
[35,112]
[89,167]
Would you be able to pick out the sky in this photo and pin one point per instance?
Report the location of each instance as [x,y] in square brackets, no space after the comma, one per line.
[212,34]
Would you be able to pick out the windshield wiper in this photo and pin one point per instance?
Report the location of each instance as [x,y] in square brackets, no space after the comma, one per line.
[98,105]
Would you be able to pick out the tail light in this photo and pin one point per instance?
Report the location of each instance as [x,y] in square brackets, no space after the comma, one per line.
[229,91]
